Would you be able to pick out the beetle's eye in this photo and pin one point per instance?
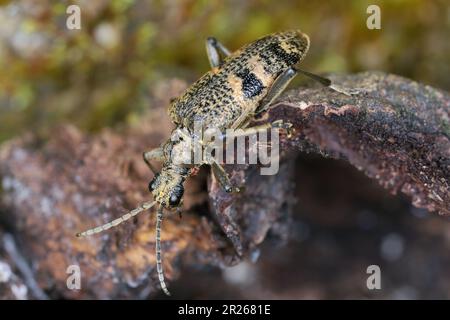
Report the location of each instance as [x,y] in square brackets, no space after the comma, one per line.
[152,184]
[176,195]
[174,200]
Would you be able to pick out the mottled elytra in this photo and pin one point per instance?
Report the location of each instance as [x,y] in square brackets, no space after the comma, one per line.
[239,86]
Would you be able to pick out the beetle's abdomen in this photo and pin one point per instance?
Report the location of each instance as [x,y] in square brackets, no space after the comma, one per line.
[219,97]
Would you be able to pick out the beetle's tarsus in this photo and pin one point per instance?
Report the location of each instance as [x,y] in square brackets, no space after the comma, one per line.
[223,178]
[180,212]
[280,124]
[346,91]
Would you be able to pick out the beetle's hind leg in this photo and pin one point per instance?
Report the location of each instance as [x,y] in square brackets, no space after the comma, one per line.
[277,88]
[154,154]
[213,49]
[328,83]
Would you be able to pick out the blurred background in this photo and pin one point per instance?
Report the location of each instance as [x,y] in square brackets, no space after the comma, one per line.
[104,74]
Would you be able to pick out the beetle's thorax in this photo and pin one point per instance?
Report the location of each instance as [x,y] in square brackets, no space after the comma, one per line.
[179,147]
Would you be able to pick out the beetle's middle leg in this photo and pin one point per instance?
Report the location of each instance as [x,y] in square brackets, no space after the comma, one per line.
[277,124]
[221,176]
[154,154]
[213,49]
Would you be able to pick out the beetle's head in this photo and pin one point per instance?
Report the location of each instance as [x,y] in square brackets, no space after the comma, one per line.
[167,186]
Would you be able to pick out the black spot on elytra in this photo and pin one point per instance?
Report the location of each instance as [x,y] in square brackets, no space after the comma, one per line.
[274,52]
[251,85]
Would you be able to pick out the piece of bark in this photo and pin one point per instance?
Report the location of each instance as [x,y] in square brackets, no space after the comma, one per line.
[17,280]
[12,284]
[395,130]
[392,128]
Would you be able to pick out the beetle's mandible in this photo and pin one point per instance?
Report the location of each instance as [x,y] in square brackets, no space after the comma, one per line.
[239,86]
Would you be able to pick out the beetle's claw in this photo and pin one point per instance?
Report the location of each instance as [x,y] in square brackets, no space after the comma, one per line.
[231,189]
[284,125]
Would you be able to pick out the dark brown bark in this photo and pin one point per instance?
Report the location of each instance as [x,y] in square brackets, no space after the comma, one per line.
[395,130]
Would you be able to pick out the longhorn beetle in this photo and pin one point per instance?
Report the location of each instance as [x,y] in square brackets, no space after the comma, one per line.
[239,86]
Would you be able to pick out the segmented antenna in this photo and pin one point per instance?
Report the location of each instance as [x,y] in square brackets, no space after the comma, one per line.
[116,222]
[159,267]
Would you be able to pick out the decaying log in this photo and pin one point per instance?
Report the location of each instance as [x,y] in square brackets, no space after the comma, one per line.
[394,129]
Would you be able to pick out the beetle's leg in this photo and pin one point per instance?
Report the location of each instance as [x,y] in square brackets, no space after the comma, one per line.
[327,83]
[213,49]
[277,124]
[324,81]
[280,83]
[180,212]
[222,177]
[277,88]
[155,154]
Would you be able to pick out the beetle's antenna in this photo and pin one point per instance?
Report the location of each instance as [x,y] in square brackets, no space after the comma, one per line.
[114,223]
[159,267]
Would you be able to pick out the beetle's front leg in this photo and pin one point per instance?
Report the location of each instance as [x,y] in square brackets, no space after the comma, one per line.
[154,154]
[213,49]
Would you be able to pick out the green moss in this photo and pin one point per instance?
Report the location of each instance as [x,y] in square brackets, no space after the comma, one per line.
[58,75]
